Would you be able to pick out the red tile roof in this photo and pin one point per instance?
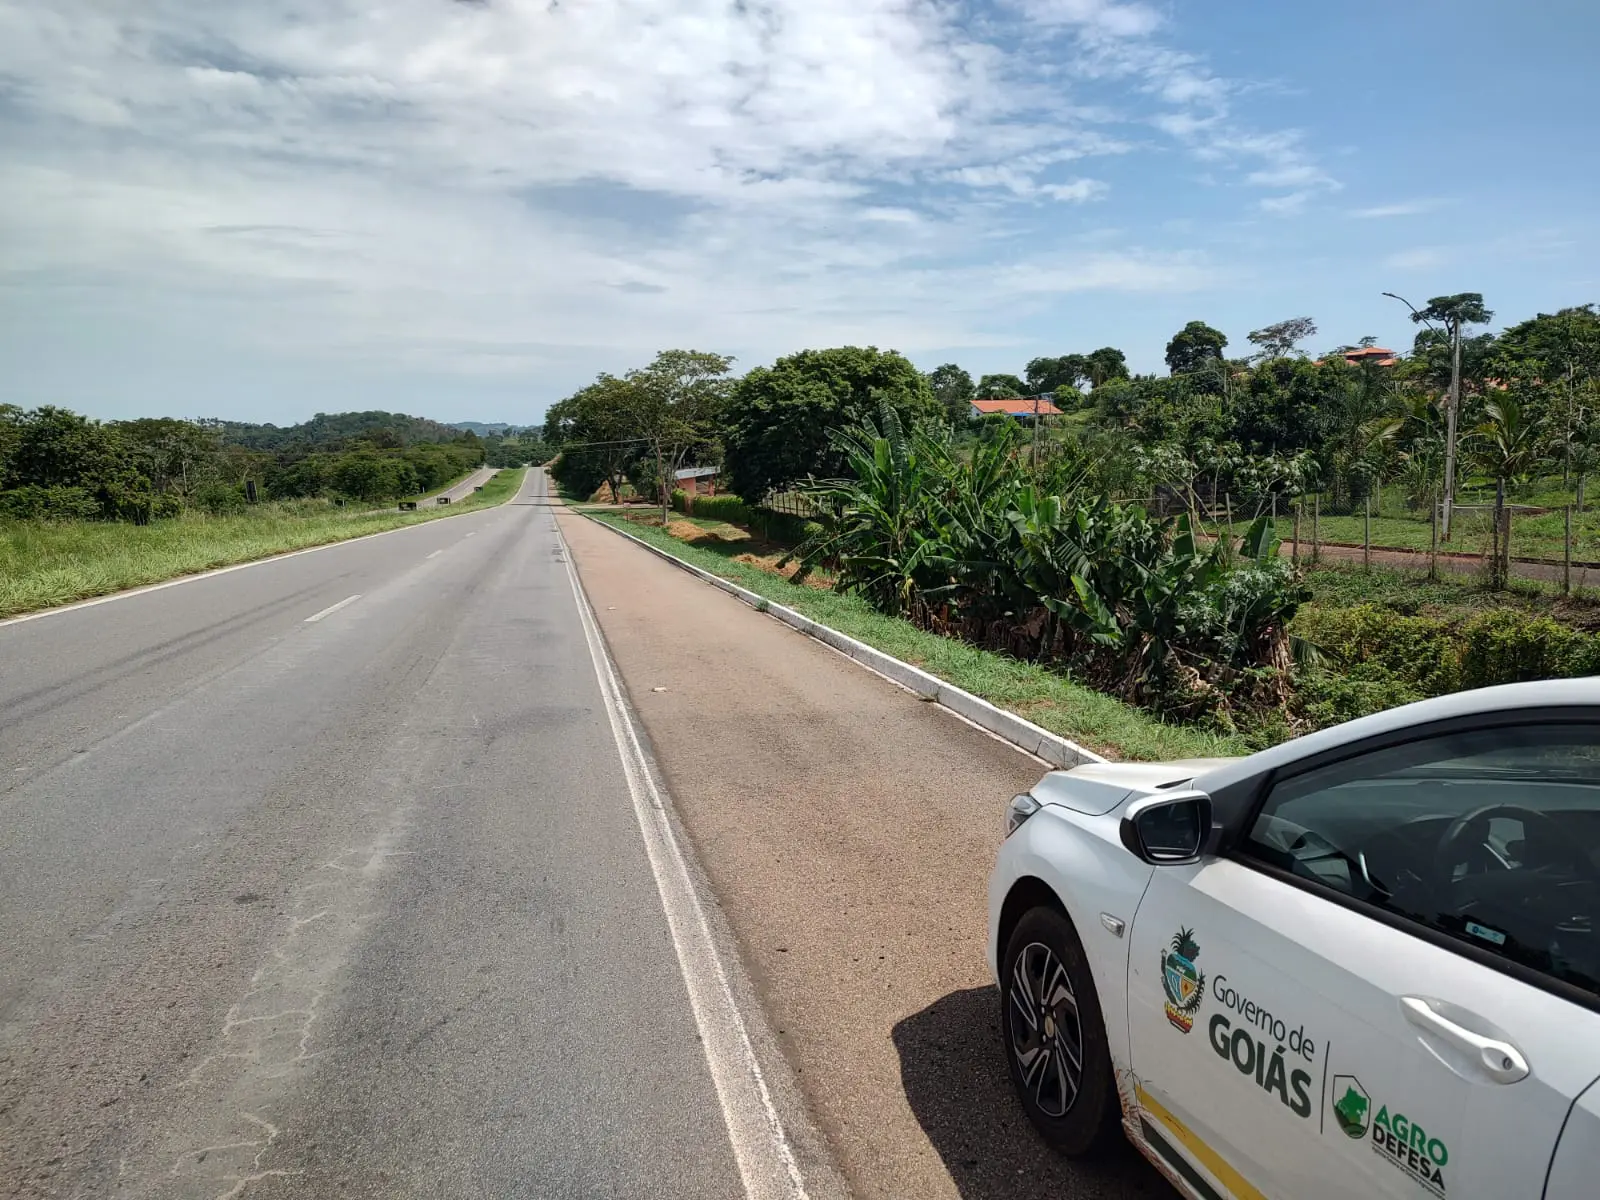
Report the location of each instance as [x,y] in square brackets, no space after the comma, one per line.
[1384,356]
[1019,406]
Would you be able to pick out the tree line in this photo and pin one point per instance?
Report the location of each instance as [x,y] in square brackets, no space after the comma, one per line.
[56,464]
[1274,421]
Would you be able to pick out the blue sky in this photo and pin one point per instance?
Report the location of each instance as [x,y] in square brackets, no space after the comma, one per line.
[260,209]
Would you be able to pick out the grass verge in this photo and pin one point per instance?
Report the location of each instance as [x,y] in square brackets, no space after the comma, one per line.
[44,564]
[1043,697]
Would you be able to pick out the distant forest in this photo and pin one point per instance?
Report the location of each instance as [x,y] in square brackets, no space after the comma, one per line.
[56,464]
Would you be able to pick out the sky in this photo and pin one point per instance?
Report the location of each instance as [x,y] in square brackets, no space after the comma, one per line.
[465,209]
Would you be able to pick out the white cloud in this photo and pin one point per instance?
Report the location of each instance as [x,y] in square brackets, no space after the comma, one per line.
[1289,174]
[488,187]
[1100,16]
[1284,205]
[1077,192]
[1405,208]
[1420,258]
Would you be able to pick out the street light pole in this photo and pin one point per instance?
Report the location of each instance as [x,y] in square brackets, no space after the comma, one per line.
[1452,410]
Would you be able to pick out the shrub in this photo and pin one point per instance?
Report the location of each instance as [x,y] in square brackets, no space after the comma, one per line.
[1419,652]
[1507,646]
[58,503]
[680,500]
[219,499]
[1420,656]
[722,508]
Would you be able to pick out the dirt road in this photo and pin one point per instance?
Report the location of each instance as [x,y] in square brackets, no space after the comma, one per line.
[847,829]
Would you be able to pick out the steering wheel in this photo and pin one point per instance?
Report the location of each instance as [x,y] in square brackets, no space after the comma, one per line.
[1470,833]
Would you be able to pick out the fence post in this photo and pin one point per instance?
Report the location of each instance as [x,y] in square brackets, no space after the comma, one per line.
[1433,537]
[1227,501]
[1316,537]
[1295,556]
[1496,580]
[1366,535]
[1566,551]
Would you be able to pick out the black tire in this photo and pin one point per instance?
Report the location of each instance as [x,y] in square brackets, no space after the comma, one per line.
[1077,1121]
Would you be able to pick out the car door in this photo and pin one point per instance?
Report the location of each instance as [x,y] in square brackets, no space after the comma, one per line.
[1388,983]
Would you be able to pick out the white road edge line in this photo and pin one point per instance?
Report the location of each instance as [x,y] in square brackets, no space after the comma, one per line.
[332,608]
[762,1149]
[435,554]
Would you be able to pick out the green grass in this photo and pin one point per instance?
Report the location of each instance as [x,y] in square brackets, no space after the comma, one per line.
[44,564]
[1043,697]
[1532,536]
[1341,585]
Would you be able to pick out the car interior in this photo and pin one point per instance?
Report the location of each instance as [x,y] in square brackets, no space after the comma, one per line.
[1501,851]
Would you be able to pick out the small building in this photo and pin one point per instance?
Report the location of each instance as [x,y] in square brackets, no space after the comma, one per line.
[1381,355]
[1018,408]
[698,481]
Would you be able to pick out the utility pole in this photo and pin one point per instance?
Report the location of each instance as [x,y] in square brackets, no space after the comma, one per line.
[1035,446]
[1451,416]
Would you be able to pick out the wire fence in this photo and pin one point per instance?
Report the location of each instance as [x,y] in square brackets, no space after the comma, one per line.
[1557,544]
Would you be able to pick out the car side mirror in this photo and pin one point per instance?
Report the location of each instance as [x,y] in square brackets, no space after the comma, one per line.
[1168,830]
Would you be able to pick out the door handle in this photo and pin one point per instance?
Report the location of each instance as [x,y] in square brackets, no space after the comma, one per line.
[1501,1061]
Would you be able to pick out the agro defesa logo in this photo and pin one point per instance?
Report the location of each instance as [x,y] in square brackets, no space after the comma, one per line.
[1404,1144]
[1184,983]
[1352,1107]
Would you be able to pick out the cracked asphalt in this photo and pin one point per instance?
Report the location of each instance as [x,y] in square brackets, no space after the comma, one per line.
[352,906]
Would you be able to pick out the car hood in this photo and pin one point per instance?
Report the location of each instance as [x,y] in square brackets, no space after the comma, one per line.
[1097,788]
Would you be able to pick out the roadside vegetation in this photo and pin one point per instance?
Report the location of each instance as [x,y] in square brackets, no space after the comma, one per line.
[1043,696]
[1125,539]
[46,563]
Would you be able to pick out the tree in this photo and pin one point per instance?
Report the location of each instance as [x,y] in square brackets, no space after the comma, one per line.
[953,389]
[1453,312]
[10,435]
[598,440]
[1553,360]
[1105,364]
[1285,404]
[782,415]
[677,405]
[992,387]
[1046,375]
[1194,347]
[1279,339]
[1506,443]
[176,456]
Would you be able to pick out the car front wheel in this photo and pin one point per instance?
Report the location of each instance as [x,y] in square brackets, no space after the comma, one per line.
[1055,1039]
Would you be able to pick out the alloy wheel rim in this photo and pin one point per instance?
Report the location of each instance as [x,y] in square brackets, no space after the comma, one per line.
[1045,1032]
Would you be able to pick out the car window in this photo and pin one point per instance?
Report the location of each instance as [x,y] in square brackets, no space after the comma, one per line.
[1490,836]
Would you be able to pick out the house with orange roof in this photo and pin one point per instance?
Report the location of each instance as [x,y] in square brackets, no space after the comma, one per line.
[1019,408]
[1381,355]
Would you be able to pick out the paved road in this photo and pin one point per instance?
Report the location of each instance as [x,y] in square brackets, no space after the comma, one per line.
[465,488]
[323,878]
[847,829]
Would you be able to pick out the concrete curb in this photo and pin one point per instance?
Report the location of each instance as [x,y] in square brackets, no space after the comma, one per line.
[1024,734]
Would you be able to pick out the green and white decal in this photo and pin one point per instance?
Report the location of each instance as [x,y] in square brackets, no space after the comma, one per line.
[1394,1136]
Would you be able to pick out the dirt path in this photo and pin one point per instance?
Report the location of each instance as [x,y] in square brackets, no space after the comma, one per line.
[848,830]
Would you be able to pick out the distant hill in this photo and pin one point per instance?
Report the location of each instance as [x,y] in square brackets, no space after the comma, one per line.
[329,430]
[482,428]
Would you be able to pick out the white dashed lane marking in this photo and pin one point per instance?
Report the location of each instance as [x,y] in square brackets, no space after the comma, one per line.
[333,608]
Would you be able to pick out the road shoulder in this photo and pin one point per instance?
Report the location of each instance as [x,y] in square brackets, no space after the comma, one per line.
[846,829]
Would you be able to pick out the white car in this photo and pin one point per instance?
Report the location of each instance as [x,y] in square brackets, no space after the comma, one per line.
[1365,963]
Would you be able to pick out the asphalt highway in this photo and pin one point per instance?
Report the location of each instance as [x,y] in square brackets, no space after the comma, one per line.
[323,877]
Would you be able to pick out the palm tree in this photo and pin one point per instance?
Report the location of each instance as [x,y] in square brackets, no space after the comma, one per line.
[1506,443]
